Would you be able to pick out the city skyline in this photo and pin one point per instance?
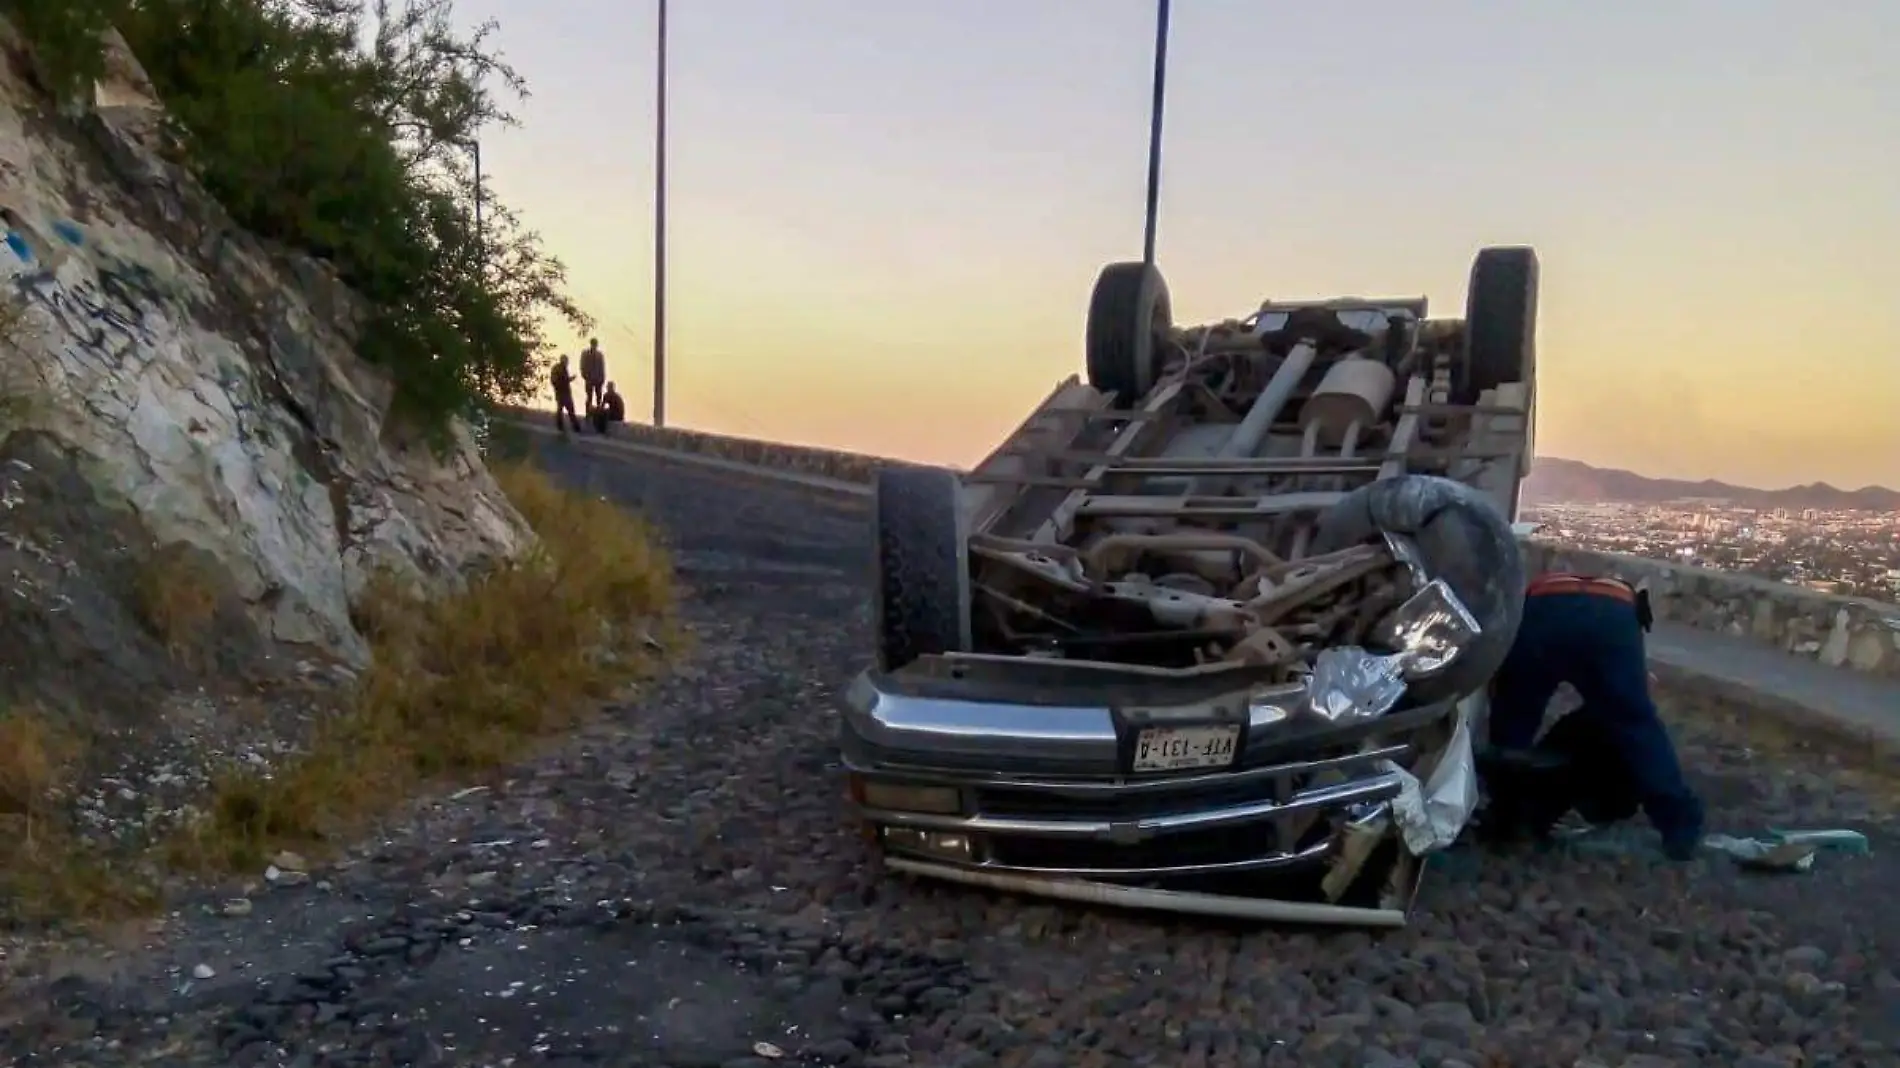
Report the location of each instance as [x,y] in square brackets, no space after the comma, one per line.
[886,218]
[1846,553]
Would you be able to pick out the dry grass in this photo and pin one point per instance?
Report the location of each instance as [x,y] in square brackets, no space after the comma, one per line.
[16,396]
[45,873]
[15,327]
[461,684]
[175,596]
[33,763]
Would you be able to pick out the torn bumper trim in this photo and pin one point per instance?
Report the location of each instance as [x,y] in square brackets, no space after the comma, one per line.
[1379,787]
[1176,901]
[1278,809]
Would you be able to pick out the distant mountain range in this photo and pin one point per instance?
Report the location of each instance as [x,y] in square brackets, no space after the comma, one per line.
[1557,481]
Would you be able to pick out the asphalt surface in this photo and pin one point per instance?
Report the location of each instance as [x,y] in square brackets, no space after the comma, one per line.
[681,886]
[1857,702]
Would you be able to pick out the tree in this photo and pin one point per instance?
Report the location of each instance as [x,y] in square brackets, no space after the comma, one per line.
[341,129]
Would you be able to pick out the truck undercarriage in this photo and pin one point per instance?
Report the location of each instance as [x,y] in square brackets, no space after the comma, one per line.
[1210,630]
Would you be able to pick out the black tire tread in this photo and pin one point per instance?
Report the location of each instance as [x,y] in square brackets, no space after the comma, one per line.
[1465,540]
[1127,308]
[921,580]
[1500,320]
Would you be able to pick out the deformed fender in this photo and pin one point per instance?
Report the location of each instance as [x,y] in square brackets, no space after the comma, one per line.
[1465,540]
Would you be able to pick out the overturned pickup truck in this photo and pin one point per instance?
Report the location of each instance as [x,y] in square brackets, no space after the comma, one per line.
[1210,631]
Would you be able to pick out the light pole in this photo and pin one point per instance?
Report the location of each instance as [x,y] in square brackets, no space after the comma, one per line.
[1154,130]
[659,226]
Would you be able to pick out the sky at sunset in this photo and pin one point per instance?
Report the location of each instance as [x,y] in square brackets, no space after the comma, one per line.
[886,214]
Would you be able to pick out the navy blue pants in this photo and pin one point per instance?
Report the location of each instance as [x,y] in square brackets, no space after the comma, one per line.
[1595,643]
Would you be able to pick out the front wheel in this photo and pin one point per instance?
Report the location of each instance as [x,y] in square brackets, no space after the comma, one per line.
[921,579]
[1464,540]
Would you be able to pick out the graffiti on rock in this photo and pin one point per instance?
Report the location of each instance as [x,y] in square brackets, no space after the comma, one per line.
[93,314]
[109,318]
[102,315]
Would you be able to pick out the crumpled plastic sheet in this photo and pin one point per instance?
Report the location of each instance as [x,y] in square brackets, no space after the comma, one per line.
[1432,815]
[1428,632]
[1786,851]
[1776,851]
[1349,684]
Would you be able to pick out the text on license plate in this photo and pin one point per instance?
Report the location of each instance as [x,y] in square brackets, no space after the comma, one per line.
[1173,748]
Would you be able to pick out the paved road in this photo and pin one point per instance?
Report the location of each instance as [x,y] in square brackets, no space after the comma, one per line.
[681,886]
[1863,703]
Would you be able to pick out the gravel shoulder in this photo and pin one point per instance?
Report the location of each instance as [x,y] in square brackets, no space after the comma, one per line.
[680,885]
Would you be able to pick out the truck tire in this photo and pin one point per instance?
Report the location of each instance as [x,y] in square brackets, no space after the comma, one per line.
[1500,322]
[1464,540]
[1129,317]
[922,598]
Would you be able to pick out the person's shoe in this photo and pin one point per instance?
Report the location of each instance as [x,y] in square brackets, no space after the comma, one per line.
[1683,843]
[1682,849]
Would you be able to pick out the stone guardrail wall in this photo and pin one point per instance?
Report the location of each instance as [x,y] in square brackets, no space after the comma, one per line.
[1839,632]
[804,459]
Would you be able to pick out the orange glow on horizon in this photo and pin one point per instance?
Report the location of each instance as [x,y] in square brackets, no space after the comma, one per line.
[885,219]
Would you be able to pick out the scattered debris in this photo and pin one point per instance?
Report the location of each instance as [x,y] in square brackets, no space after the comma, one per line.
[1841,841]
[1786,851]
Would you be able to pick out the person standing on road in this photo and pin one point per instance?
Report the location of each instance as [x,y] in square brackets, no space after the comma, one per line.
[1588,632]
[562,379]
[593,372]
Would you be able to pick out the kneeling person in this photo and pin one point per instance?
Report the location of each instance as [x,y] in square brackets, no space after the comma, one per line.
[1588,632]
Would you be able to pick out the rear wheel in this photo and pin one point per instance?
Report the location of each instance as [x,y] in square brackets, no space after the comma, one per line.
[1130,318]
[922,602]
[1500,322]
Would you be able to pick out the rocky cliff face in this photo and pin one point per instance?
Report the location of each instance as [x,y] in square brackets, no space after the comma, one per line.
[171,390]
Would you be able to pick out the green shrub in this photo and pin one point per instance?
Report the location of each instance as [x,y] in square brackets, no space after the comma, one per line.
[343,129]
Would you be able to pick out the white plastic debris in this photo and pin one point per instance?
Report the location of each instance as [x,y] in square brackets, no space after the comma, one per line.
[1432,816]
[1430,630]
[767,1050]
[1349,685]
[1763,855]
[1785,851]
[1840,840]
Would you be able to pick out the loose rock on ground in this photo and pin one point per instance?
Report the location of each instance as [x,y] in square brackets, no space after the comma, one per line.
[681,885]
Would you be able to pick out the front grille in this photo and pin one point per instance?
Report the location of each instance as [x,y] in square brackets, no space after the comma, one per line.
[1225,845]
[1053,801]
[1032,803]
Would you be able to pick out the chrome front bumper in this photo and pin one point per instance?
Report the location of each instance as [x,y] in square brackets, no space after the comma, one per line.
[946,779]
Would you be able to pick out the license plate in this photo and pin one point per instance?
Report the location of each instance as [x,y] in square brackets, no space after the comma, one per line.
[1174,748]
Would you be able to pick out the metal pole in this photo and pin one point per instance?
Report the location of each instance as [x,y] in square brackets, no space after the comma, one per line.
[659,229]
[1154,130]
